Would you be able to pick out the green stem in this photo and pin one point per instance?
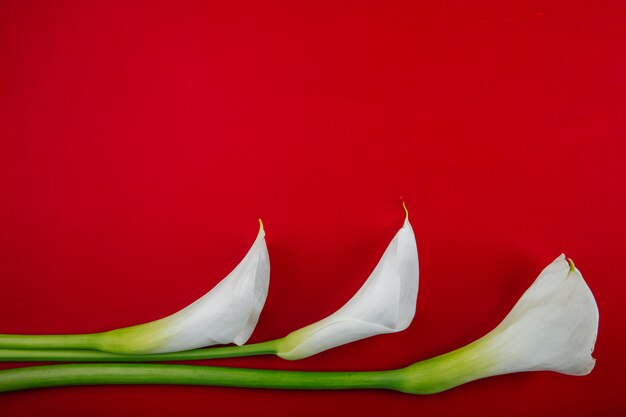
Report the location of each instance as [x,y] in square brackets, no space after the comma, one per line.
[69,341]
[97,374]
[430,376]
[69,355]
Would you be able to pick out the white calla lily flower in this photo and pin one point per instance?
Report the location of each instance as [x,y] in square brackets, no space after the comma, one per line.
[228,313]
[553,327]
[384,304]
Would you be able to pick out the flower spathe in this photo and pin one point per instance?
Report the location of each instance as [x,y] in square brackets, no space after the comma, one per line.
[553,327]
[384,304]
[228,313]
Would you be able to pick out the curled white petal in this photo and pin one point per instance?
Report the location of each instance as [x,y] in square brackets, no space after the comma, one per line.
[228,313]
[384,304]
[552,327]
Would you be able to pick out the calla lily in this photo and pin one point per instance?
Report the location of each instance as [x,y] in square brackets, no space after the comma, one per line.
[552,327]
[384,304]
[228,313]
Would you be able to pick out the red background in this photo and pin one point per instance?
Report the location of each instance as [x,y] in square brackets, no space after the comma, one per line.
[140,141]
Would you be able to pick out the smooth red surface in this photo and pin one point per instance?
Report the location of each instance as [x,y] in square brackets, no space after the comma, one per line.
[140,141]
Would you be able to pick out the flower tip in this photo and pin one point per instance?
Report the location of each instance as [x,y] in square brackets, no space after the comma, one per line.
[572,267]
[261,229]
[406,211]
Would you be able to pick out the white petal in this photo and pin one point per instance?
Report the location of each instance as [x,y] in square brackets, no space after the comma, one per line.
[384,304]
[552,327]
[226,314]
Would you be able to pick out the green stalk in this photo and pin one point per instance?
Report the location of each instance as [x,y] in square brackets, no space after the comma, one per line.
[426,377]
[69,341]
[106,374]
[77,355]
